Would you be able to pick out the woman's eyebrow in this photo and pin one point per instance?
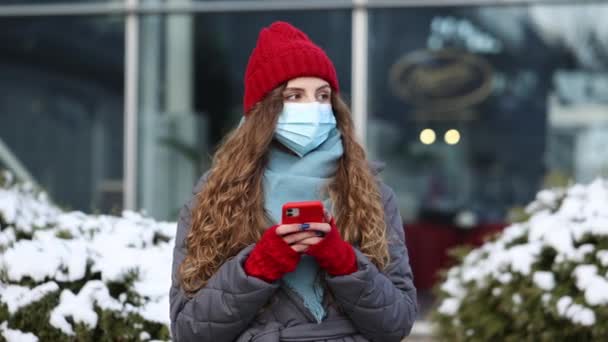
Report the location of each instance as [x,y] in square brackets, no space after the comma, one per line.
[294,89]
[302,89]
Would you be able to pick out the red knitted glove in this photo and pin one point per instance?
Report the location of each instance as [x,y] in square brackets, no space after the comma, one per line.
[334,255]
[271,257]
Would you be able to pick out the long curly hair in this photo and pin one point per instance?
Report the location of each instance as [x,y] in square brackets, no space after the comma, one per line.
[230,215]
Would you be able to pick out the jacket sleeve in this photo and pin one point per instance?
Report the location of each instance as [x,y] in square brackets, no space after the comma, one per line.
[222,309]
[382,305]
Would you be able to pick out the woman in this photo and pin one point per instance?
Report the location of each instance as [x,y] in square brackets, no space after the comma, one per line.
[235,279]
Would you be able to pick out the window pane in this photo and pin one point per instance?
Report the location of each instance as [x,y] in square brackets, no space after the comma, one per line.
[61,106]
[476,108]
[47,2]
[192,69]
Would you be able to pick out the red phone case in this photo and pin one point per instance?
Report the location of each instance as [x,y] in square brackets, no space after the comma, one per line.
[303,212]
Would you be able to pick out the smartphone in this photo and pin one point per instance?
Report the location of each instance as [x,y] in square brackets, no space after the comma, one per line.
[303,212]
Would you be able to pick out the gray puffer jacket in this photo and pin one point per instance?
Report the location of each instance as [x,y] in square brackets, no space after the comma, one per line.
[368,305]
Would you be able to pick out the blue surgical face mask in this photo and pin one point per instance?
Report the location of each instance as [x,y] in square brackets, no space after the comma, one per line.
[302,127]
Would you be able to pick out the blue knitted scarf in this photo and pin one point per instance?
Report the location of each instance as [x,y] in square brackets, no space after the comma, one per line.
[289,178]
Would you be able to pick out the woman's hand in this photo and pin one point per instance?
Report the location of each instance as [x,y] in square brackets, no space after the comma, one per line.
[271,257]
[333,254]
[302,236]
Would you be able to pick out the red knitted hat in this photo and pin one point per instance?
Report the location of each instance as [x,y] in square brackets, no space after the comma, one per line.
[282,53]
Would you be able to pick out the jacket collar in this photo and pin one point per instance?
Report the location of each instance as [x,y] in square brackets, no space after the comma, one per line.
[376,167]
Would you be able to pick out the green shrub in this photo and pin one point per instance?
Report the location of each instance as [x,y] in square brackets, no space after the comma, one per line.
[545,279]
[68,276]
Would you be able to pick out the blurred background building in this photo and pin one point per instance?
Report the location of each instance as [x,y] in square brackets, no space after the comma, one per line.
[474,105]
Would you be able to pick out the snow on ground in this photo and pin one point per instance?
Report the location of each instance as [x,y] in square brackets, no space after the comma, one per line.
[594,286]
[602,256]
[49,258]
[24,210]
[449,306]
[15,297]
[12,335]
[559,220]
[544,280]
[64,243]
[80,306]
[575,312]
[7,237]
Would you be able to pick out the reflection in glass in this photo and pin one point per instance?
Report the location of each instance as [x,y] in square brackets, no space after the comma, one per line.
[61,106]
[512,91]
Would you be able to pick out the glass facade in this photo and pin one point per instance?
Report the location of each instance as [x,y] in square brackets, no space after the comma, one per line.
[472,108]
[56,2]
[473,112]
[61,107]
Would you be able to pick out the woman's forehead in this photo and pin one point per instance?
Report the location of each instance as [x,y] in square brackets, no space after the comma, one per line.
[306,82]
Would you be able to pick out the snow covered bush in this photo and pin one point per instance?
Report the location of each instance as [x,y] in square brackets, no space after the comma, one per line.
[545,279]
[68,276]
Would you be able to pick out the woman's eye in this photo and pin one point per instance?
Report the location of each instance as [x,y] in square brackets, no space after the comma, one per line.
[323,97]
[292,97]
